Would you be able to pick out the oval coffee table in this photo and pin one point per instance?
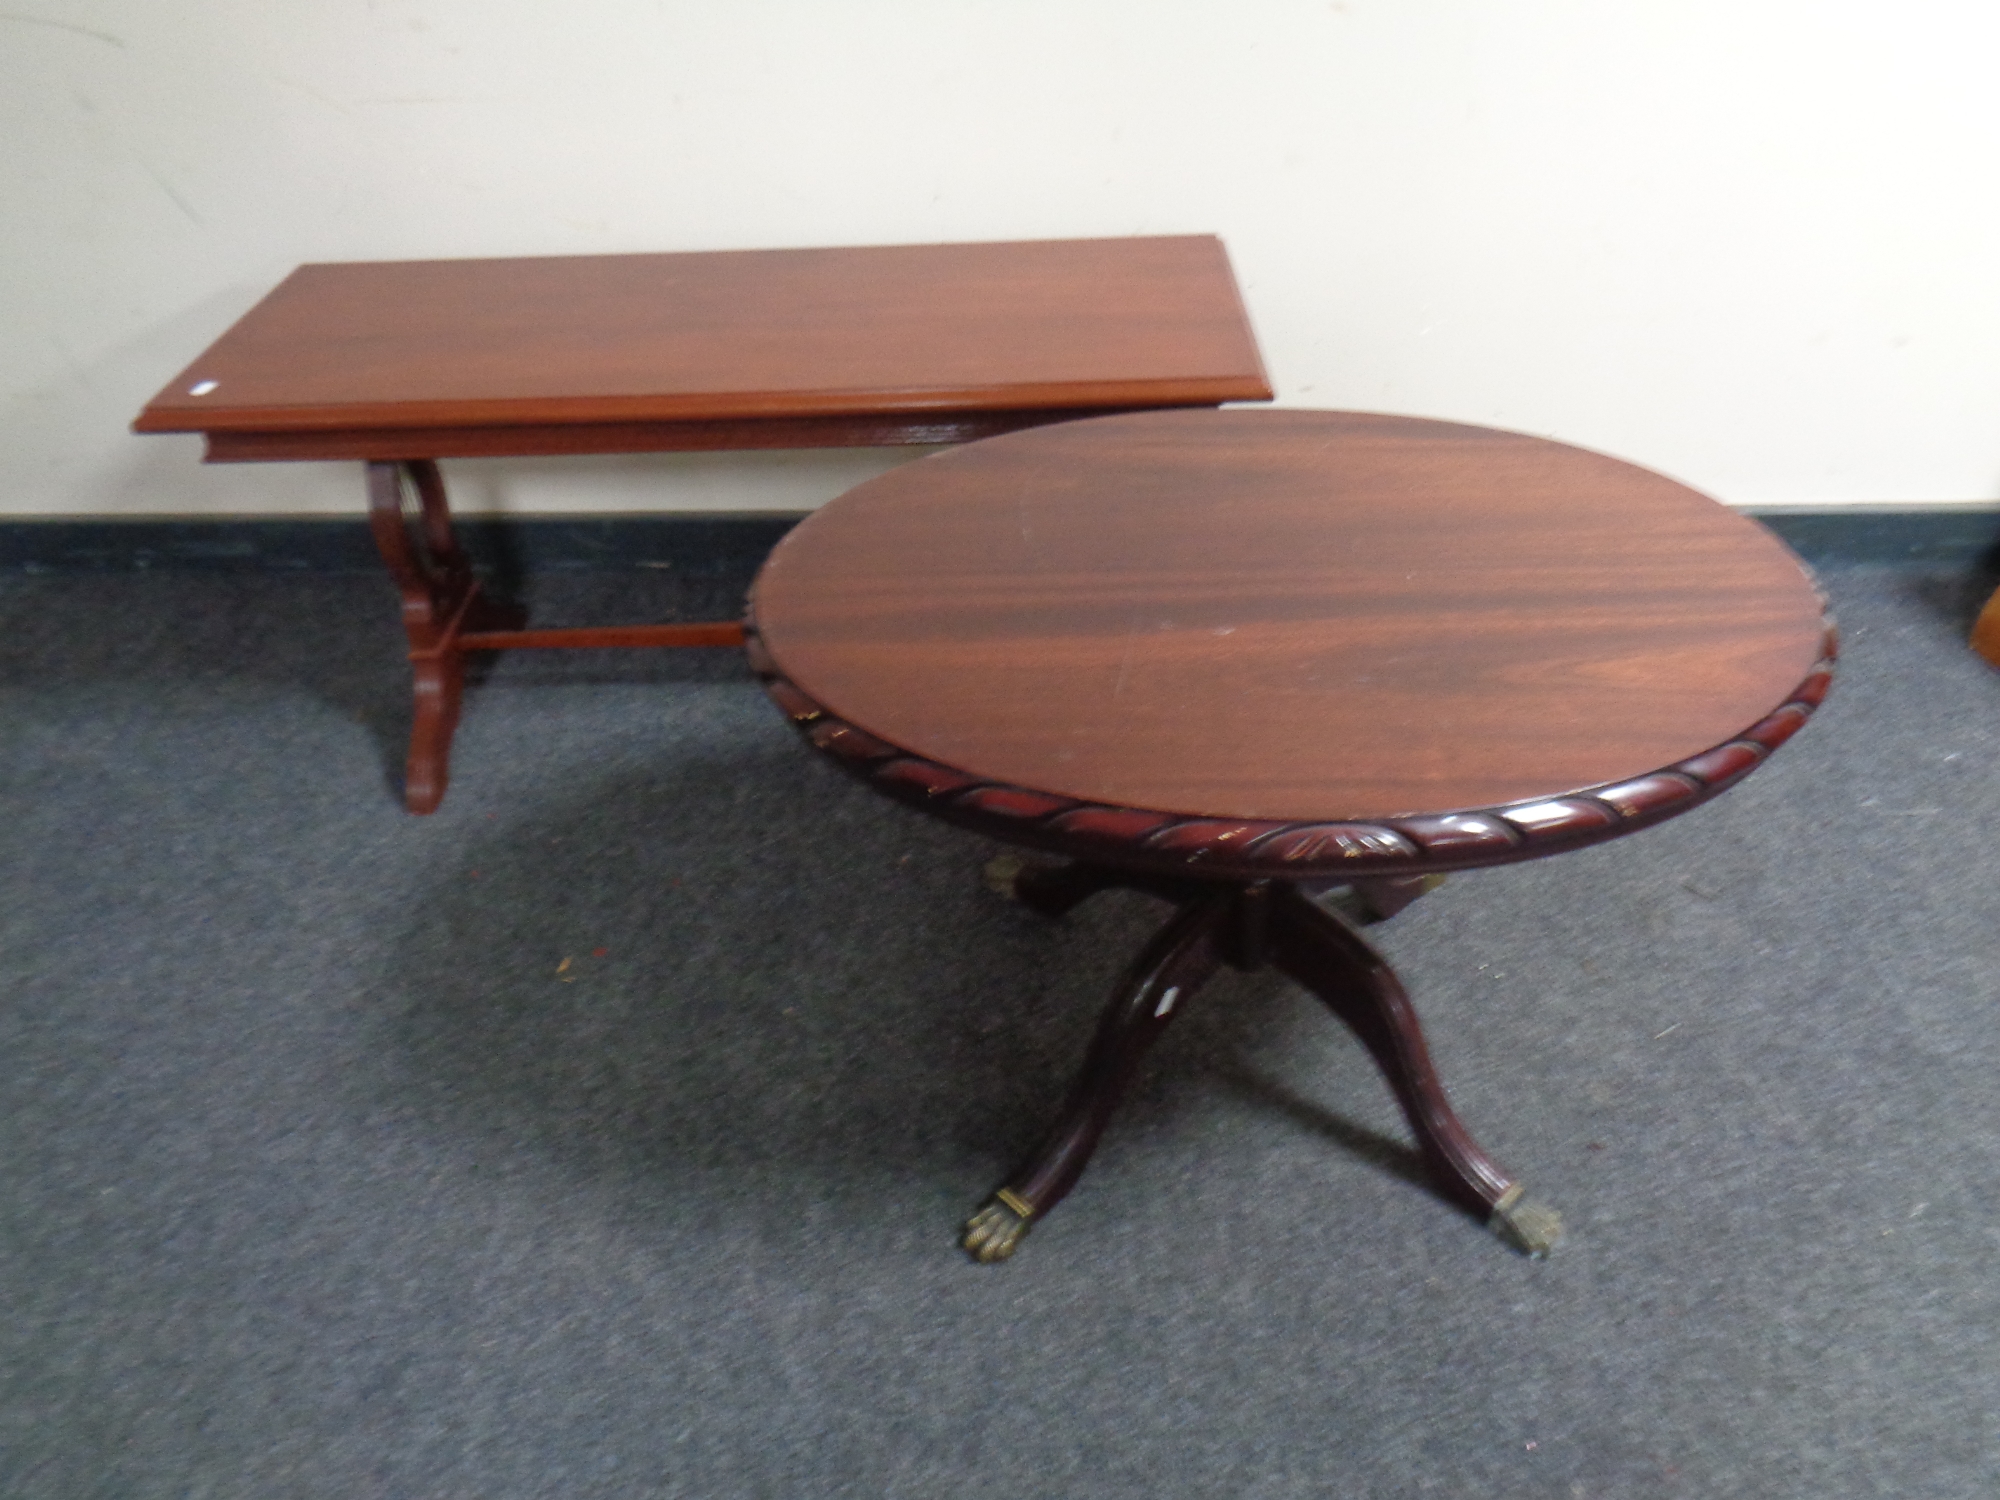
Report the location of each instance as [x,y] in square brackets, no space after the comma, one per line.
[1284,669]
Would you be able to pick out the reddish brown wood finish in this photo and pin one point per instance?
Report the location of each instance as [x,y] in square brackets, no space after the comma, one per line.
[1323,952]
[1291,617]
[1167,972]
[626,437]
[1232,658]
[408,362]
[1378,858]
[340,358]
[446,617]
[1248,926]
[441,602]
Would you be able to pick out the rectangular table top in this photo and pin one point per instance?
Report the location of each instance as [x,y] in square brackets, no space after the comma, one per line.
[746,348]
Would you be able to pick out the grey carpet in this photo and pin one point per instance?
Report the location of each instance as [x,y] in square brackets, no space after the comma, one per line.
[607,1133]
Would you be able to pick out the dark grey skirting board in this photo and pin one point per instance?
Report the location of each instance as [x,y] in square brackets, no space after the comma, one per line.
[714,545]
[699,545]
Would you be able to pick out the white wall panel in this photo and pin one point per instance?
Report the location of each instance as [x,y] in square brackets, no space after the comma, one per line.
[1752,244]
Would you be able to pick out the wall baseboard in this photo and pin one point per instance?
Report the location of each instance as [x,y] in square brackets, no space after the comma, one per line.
[1960,536]
[696,545]
[728,545]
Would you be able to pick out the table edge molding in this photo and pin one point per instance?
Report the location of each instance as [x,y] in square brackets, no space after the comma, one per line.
[1259,849]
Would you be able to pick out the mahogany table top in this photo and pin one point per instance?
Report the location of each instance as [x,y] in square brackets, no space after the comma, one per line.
[1297,617]
[750,348]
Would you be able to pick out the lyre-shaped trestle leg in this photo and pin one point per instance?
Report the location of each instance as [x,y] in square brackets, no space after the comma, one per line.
[440,602]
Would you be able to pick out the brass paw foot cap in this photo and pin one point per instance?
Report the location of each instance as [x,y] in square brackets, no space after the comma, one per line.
[1531,1228]
[994,1233]
[1002,871]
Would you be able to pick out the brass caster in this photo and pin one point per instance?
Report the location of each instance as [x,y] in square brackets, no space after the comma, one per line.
[1531,1228]
[995,1232]
[1002,873]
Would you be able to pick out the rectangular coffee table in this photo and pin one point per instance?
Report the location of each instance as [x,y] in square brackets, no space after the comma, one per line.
[399,364]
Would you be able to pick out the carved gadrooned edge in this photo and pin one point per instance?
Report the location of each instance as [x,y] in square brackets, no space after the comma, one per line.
[1234,848]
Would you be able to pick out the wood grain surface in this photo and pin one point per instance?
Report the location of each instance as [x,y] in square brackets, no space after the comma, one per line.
[1288,615]
[728,337]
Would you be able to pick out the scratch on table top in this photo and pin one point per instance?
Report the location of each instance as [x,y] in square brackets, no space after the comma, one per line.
[1125,661]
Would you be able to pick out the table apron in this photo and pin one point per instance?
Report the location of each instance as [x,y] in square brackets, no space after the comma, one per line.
[551,439]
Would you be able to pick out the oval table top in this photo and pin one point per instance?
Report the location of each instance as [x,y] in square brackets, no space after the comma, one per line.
[1293,618]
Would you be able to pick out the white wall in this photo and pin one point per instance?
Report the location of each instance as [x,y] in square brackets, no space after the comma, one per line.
[1755,243]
